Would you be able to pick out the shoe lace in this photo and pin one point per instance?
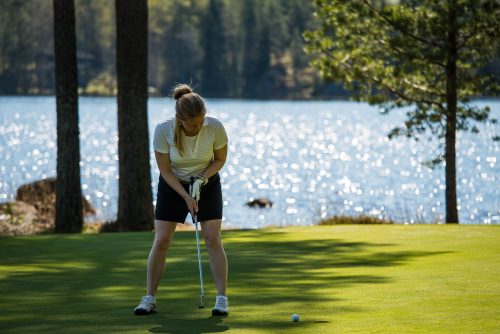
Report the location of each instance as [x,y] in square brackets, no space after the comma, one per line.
[221,303]
[147,300]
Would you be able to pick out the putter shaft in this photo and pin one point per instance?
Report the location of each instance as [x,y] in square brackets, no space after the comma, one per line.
[202,292]
[195,222]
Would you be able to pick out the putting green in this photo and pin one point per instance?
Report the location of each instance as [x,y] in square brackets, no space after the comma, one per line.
[339,279]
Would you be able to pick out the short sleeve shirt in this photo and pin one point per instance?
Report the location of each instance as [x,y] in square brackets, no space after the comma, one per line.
[198,150]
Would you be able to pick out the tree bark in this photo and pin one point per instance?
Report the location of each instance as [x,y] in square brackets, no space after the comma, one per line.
[135,207]
[69,216]
[451,119]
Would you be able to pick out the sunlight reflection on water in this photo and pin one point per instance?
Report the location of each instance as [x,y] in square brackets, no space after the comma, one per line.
[313,159]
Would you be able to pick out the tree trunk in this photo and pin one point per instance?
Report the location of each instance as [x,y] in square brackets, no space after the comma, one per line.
[69,216]
[135,207]
[215,64]
[451,119]
[250,49]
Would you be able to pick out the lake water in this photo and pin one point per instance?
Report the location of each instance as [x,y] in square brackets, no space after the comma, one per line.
[313,159]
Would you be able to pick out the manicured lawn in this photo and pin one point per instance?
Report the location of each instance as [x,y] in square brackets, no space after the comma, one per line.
[339,279]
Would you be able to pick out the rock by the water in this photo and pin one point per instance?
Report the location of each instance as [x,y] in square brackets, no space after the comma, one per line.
[42,195]
[34,209]
[260,203]
[19,218]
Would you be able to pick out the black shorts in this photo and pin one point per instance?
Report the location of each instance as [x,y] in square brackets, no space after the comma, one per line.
[170,206]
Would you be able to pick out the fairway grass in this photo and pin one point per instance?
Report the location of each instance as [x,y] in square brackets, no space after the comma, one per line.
[339,279]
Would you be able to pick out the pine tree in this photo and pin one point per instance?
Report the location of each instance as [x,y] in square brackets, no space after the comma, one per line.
[424,54]
[183,51]
[135,205]
[69,215]
[215,64]
[251,33]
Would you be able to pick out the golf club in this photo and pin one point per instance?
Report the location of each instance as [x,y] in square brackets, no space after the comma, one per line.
[195,222]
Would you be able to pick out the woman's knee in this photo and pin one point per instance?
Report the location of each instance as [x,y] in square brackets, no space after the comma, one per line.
[163,236]
[213,240]
[162,242]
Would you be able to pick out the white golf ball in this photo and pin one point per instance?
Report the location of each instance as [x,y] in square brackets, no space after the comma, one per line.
[295,317]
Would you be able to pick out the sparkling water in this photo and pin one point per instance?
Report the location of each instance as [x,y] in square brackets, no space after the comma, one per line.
[312,159]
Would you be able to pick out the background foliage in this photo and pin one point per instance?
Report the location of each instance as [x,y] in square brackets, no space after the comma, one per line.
[251,48]
[244,48]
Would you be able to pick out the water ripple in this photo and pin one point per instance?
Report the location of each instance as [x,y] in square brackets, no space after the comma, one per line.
[312,159]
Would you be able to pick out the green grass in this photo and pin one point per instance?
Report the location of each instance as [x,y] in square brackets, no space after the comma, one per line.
[340,279]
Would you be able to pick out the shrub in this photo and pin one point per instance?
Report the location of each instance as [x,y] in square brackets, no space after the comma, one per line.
[344,220]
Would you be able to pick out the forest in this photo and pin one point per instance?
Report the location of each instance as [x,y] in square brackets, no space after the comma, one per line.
[225,49]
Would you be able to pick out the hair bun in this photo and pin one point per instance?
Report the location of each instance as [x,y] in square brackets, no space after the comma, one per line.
[180,90]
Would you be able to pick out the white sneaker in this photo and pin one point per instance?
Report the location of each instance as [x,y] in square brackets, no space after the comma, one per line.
[221,306]
[146,306]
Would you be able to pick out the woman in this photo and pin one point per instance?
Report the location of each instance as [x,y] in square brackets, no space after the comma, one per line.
[190,146]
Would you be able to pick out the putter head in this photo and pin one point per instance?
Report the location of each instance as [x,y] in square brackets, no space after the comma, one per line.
[201,306]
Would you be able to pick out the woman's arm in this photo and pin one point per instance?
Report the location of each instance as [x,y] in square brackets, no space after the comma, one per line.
[217,164]
[163,162]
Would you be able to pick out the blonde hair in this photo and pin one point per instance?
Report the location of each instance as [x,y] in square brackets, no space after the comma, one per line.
[188,105]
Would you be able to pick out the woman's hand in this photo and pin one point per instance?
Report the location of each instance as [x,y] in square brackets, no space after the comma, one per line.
[191,204]
[199,182]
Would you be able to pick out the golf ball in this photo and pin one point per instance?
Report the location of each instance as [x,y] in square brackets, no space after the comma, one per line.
[295,317]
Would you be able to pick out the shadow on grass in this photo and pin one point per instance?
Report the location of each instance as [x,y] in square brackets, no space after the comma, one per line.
[91,283]
[179,325]
[219,325]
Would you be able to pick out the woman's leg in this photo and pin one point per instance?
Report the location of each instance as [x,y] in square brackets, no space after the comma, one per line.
[164,232]
[216,253]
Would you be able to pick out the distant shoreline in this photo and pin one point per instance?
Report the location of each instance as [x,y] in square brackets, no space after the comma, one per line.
[316,98]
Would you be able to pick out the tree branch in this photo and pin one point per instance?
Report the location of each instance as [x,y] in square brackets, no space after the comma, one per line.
[423,89]
[398,51]
[393,90]
[474,30]
[406,98]
[401,29]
